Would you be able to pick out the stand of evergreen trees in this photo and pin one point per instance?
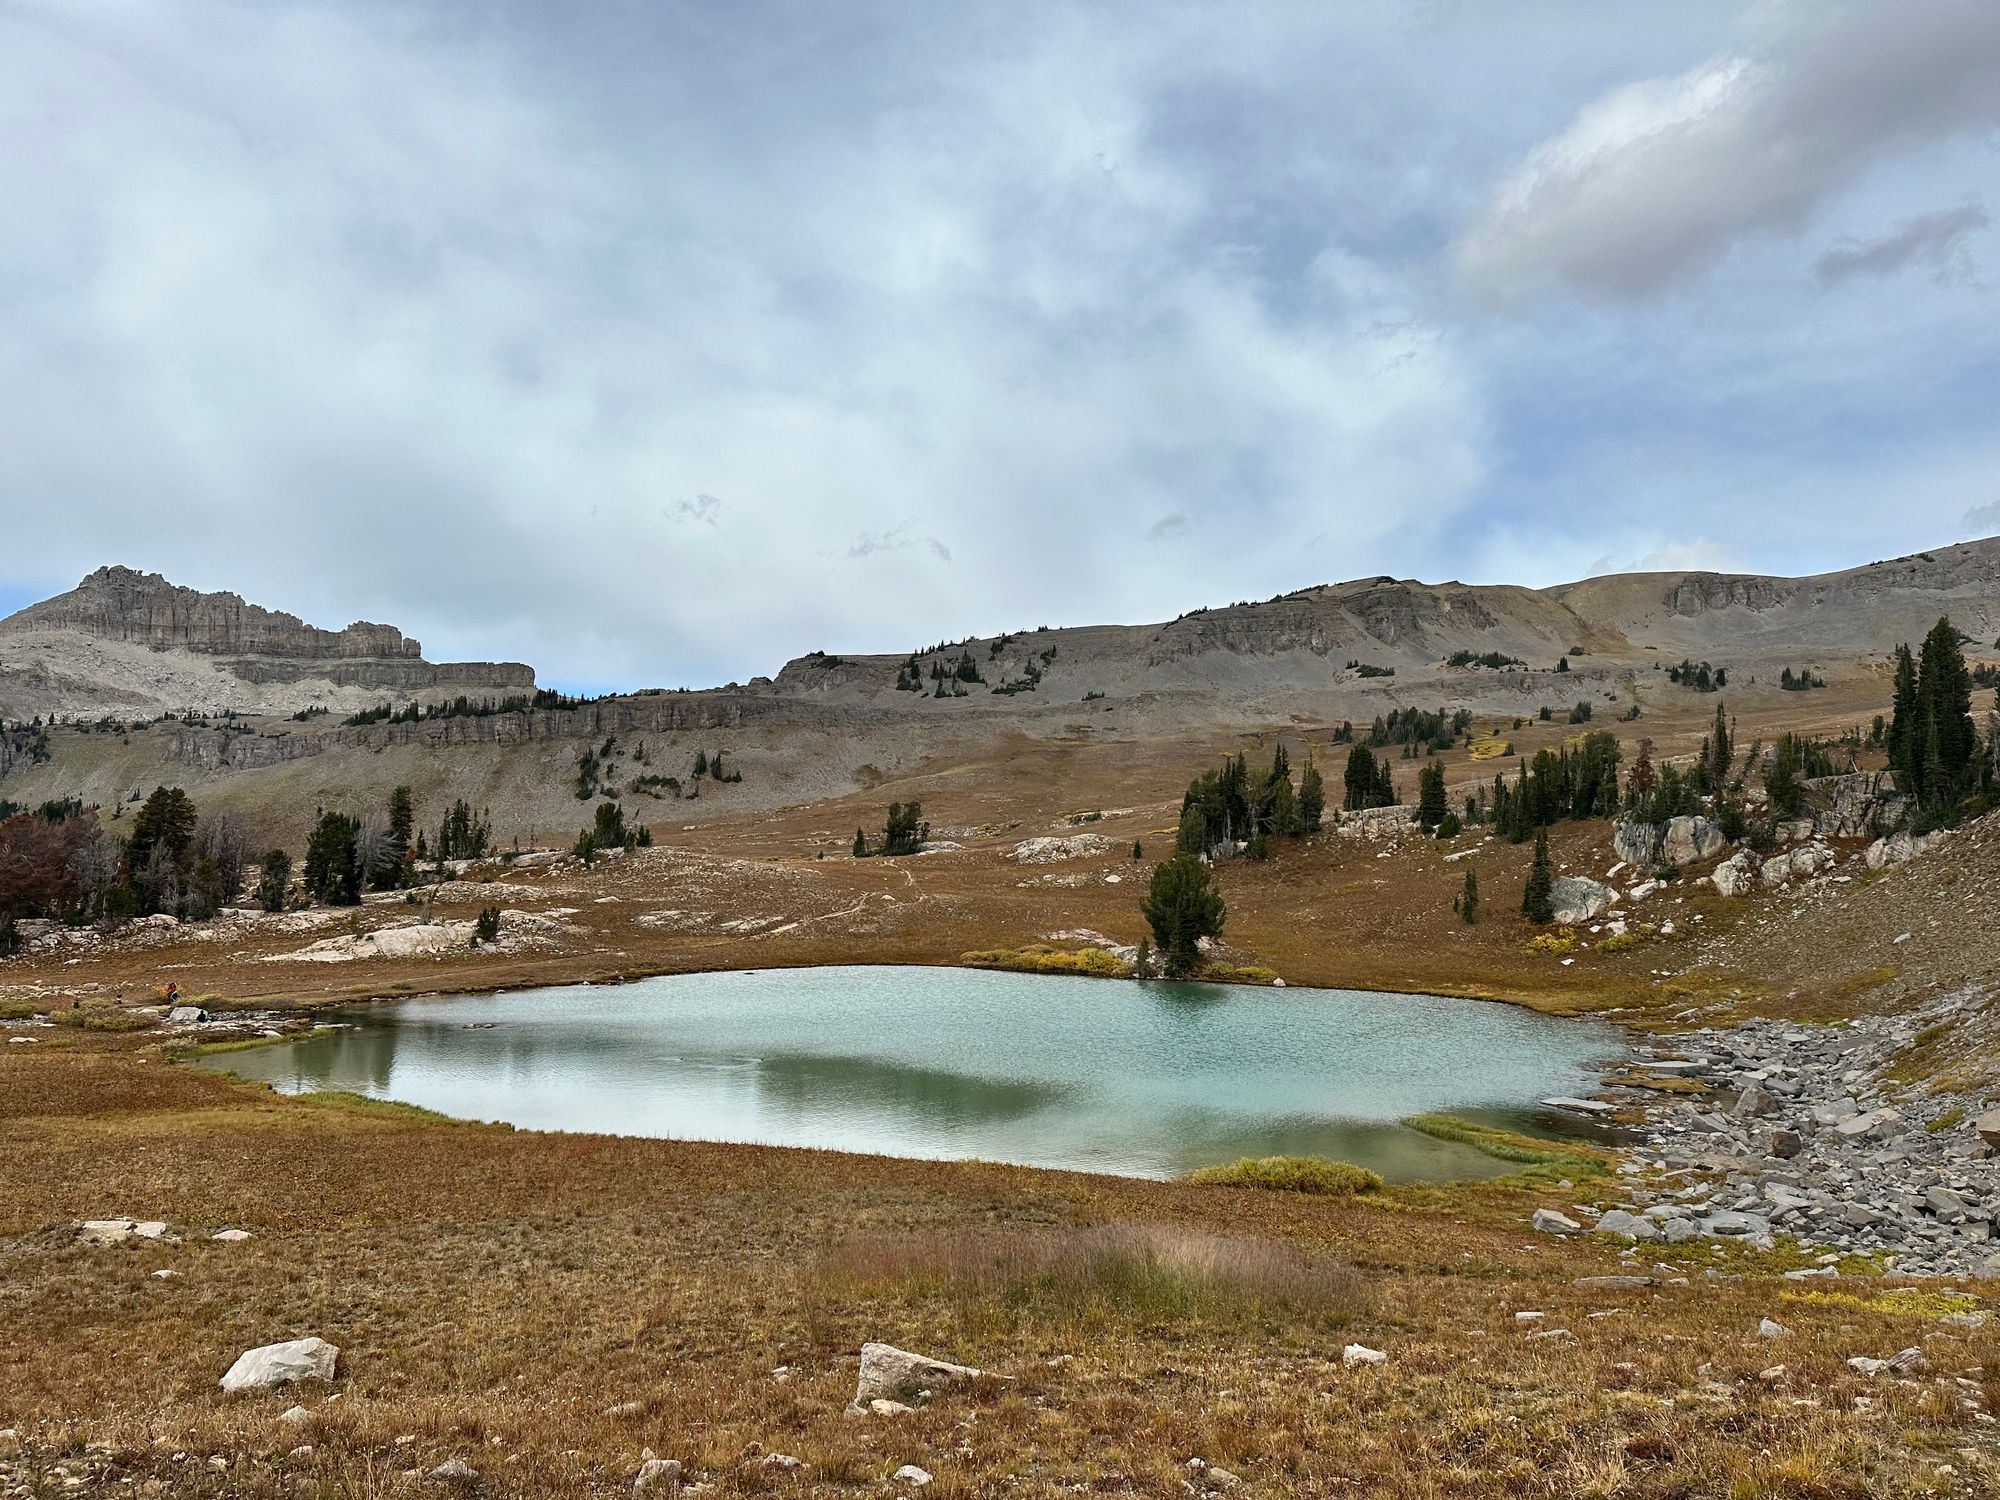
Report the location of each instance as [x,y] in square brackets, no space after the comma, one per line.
[904,831]
[1229,806]
[1933,744]
[1579,782]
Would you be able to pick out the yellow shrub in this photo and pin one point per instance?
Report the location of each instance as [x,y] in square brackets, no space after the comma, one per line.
[1554,944]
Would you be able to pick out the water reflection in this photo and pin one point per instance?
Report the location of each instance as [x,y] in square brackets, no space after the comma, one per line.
[1152,1079]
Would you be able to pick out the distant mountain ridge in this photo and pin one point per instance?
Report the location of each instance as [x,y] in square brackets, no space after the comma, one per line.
[126,642]
[122,604]
[130,643]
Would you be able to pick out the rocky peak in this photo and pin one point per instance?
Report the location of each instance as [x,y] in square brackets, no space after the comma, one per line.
[122,604]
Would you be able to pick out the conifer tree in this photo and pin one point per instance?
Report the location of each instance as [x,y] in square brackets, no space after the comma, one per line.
[1718,751]
[1538,899]
[273,879]
[1468,903]
[1431,804]
[402,826]
[1182,909]
[1312,796]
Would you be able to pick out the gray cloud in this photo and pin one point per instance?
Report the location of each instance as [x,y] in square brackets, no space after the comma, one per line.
[321,293]
[1655,181]
[1936,240]
[1983,520]
[702,509]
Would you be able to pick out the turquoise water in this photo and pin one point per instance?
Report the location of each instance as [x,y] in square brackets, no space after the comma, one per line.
[1142,1079]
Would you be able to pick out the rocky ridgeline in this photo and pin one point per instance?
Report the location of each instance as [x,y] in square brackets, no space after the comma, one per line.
[120,604]
[1810,1136]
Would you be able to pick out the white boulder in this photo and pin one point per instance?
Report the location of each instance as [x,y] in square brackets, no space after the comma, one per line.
[272,1365]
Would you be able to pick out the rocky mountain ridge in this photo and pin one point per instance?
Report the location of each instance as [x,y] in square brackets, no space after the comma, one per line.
[129,643]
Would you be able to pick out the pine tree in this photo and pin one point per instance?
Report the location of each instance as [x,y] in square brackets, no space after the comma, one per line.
[273,879]
[860,844]
[1360,778]
[1468,904]
[1538,899]
[1431,804]
[1182,909]
[402,825]
[1903,720]
[1312,796]
[1720,751]
[1142,961]
[333,873]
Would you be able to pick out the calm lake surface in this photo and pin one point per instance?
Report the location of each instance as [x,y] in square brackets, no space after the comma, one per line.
[1148,1079]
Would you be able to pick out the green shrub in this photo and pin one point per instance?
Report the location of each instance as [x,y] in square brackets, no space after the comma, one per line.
[1291,1174]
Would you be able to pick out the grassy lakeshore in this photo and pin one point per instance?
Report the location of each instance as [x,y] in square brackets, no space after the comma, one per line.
[544,1307]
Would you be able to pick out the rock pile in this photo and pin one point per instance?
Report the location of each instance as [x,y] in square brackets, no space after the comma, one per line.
[1812,1139]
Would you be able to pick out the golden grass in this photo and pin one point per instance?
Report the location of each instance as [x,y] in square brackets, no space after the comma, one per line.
[1291,1174]
[1039,958]
[544,1306]
[1094,1278]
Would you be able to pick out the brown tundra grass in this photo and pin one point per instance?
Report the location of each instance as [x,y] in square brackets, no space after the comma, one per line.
[545,1307]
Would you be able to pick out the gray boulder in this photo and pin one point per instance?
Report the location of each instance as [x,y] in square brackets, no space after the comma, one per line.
[1736,874]
[1627,1226]
[1689,839]
[1549,1221]
[1578,898]
[892,1374]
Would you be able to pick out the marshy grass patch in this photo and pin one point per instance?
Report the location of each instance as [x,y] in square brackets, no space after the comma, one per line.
[1103,1275]
[1543,1161]
[1239,974]
[1900,1301]
[112,1021]
[1291,1174]
[17,1010]
[1040,958]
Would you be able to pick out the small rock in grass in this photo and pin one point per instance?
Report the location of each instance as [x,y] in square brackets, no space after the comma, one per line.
[784,1463]
[230,1236]
[455,1471]
[1529,1317]
[1361,1354]
[165,1273]
[881,1406]
[1549,1221]
[1773,1375]
[295,1415]
[1770,1329]
[624,1409]
[657,1475]
[910,1474]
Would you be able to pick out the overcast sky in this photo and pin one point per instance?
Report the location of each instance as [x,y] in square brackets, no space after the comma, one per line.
[654,343]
